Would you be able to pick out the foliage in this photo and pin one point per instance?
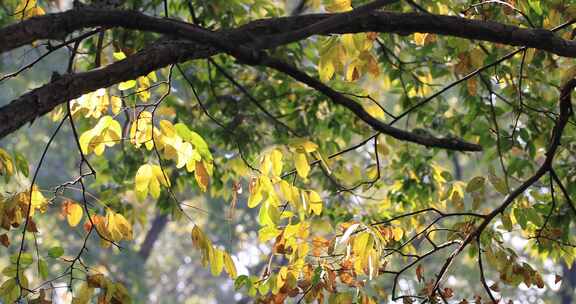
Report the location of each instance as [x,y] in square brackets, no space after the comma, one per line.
[297,123]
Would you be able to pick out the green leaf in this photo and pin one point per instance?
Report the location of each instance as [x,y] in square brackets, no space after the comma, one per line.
[506,221]
[241,281]
[317,276]
[83,295]
[475,184]
[26,259]
[9,271]
[498,183]
[43,269]
[9,291]
[55,252]
[535,5]
[520,215]
[195,139]
[22,164]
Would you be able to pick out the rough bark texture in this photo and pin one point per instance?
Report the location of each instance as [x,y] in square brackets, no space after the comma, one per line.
[56,26]
[192,42]
[45,98]
[158,225]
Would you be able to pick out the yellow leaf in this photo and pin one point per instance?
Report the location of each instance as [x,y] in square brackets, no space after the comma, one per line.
[106,133]
[126,85]
[339,6]
[281,278]
[74,214]
[267,233]
[420,38]
[265,164]
[199,239]
[398,233]
[315,202]
[255,193]
[143,88]
[148,180]
[276,158]
[361,243]
[27,9]
[348,42]
[309,146]
[84,294]
[373,109]
[141,131]
[6,163]
[142,180]
[216,261]
[229,266]
[301,163]
[201,242]
[201,175]
[152,76]
[160,176]
[38,201]
[119,55]
[326,69]
[115,104]
[118,227]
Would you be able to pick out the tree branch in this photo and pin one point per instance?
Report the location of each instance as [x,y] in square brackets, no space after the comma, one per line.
[43,99]
[53,26]
[56,26]
[566,111]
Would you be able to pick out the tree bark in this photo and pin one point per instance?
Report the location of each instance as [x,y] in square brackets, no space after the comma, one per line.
[568,284]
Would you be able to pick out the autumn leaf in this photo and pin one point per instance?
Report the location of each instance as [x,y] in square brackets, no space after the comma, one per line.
[475,184]
[337,6]
[216,261]
[229,266]
[106,133]
[201,175]
[118,227]
[420,273]
[27,9]
[276,159]
[315,202]
[557,279]
[4,240]
[73,213]
[419,38]
[301,164]
[148,180]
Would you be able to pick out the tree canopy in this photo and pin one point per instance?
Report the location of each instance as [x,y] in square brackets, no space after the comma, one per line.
[374,151]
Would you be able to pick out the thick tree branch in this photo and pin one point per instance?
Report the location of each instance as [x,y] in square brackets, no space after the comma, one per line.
[43,99]
[358,110]
[56,26]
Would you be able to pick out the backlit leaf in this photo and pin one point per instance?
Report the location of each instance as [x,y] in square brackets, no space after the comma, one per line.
[74,214]
[301,163]
[475,184]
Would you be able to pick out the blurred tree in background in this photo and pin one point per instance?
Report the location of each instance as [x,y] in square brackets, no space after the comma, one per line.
[294,151]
